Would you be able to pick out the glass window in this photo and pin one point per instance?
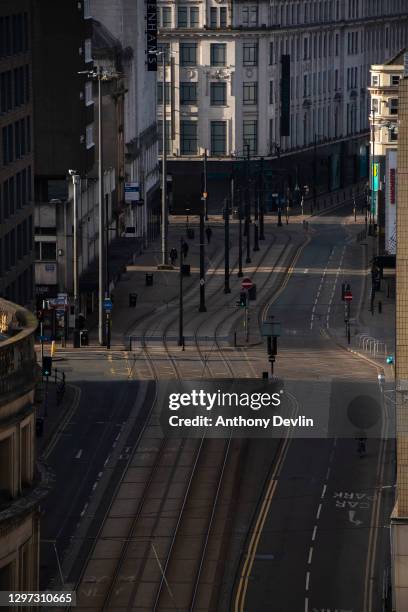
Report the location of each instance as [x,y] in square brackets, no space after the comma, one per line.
[160,93]
[89,136]
[393,106]
[88,50]
[250,54]
[188,93]
[88,93]
[223,17]
[48,251]
[188,54]
[87,9]
[250,16]
[188,137]
[218,137]
[166,17]
[182,17]
[218,54]
[250,93]
[213,17]
[271,54]
[218,94]
[194,17]
[395,79]
[250,135]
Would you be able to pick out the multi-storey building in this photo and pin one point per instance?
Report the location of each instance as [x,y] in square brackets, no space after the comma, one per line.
[22,485]
[225,87]
[16,157]
[126,21]
[384,84]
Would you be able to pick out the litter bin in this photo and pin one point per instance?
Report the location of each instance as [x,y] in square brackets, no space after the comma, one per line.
[76,338]
[132,300]
[149,279]
[252,292]
[185,269]
[190,233]
[84,337]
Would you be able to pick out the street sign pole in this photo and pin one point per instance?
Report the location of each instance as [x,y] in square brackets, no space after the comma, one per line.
[202,307]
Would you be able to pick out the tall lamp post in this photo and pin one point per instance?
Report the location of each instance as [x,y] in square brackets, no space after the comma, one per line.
[248,208]
[75,181]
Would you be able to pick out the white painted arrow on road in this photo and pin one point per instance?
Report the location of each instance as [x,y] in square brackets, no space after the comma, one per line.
[352,514]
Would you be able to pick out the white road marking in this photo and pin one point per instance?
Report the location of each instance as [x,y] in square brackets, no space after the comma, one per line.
[319,511]
[314,533]
[306,604]
[310,555]
[324,491]
[307,580]
[79,453]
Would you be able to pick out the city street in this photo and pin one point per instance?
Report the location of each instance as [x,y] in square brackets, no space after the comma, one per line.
[314,501]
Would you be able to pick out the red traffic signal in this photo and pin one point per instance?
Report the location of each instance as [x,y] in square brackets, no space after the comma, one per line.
[348,296]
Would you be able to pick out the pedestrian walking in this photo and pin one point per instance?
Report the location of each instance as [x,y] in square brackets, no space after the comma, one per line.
[173,255]
[208,232]
[184,248]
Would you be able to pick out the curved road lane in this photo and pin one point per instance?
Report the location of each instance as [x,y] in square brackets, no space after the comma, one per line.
[323,546]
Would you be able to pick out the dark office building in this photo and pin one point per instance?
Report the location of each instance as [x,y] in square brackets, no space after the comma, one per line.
[64,130]
[16,156]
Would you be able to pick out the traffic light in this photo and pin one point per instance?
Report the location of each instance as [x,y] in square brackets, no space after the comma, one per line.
[242,299]
[390,359]
[46,366]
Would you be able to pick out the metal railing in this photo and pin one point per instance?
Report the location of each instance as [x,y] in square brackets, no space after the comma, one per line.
[374,347]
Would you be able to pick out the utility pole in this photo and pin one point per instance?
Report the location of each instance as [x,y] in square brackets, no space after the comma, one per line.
[240,272]
[202,307]
[261,203]
[164,237]
[256,220]
[248,210]
[181,333]
[75,181]
[226,242]
[205,185]
[313,203]
[100,214]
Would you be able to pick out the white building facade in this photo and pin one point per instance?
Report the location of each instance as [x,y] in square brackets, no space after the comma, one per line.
[384,86]
[227,72]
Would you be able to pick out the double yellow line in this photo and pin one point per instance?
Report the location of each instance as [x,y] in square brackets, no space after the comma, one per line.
[259,525]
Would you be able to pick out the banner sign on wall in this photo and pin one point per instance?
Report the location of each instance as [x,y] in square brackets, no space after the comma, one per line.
[391,202]
[151,35]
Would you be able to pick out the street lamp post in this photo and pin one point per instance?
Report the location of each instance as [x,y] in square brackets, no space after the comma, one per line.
[164,237]
[181,333]
[75,181]
[240,272]
[202,307]
[205,185]
[227,245]
[261,204]
[248,209]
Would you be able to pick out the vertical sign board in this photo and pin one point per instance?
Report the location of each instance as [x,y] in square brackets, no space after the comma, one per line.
[151,35]
[285,96]
[391,202]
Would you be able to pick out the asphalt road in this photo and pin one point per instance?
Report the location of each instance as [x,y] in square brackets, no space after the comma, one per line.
[324,543]
[79,459]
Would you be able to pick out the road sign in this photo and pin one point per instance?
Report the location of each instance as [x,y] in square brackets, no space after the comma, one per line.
[348,296]
[247,283]
[107,304]
[132,192]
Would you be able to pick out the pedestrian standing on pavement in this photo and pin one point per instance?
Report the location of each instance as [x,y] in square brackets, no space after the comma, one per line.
[208,232]
[184,248]
[173,256]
